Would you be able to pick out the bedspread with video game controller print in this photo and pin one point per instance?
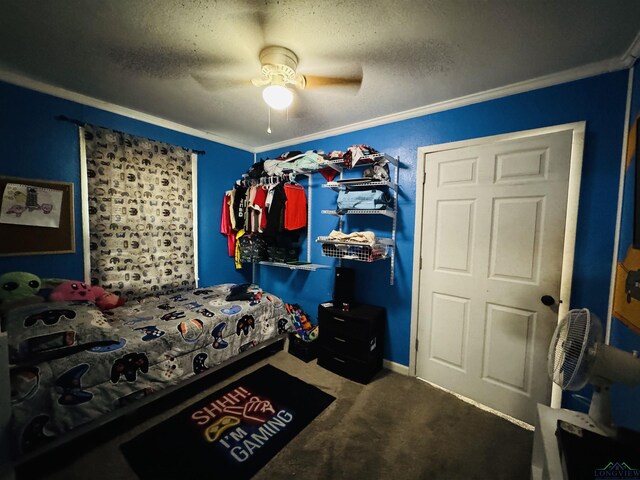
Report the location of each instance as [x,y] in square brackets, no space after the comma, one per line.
[162,340]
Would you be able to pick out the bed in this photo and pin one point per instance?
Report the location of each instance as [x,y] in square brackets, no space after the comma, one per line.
[72,364]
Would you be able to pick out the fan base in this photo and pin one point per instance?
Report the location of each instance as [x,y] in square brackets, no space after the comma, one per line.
[600,409]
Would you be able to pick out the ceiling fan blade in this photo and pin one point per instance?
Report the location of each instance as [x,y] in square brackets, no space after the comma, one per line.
[216,83]
[316,81]
[260,81]
[168,63]
[260,19]
[250,22]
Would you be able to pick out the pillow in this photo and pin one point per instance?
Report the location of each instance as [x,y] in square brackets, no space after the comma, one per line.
[49,330]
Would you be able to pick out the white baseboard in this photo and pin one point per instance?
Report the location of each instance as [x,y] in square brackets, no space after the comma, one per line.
[395,367]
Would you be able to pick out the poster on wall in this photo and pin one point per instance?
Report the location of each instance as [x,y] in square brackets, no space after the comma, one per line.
[31,205]
[626,297]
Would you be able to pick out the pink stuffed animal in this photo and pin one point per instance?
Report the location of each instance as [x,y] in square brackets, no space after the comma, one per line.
[107,300]
[71,290]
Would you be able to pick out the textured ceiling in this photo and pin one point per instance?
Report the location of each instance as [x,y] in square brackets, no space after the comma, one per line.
[190,61]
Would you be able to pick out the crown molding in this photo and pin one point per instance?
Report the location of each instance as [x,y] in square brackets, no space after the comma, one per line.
[585,71]
[23,81]
[632,53]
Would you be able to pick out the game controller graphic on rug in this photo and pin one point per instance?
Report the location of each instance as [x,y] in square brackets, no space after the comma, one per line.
[165,306]
[232,310]
[199,363]
[70,383]
[244,324]
[49,317]
[219,343]
[191,330]
[206,313]
[109,348]
[151,332]
[172,316]
[282,326]
[216,429]
[34,434]
[254,302]
[129,366]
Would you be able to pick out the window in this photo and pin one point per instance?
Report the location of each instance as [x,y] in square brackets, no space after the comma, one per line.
[139,211]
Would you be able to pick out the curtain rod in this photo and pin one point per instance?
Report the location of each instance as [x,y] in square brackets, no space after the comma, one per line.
[64,118]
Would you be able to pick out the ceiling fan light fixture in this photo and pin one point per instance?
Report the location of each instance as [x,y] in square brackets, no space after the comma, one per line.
[277,97]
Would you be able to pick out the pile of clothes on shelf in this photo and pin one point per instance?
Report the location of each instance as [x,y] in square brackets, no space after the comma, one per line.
[314,161]
[357,245]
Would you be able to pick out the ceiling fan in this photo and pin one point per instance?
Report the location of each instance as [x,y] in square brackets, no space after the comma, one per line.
[279,72]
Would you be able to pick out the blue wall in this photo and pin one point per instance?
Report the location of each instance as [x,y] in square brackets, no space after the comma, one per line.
[598,100]
[35,145]
[621,335]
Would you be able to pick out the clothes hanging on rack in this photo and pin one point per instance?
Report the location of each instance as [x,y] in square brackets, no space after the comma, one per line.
[238,210]
[275,215]
[238,261]
[262,218]
[257,217]
[249,217]
[295,216]
[225,224]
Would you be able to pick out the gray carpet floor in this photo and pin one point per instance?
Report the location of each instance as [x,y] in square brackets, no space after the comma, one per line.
[396,427]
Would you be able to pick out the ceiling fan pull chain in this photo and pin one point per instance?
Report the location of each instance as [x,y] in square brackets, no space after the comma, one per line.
[269,126]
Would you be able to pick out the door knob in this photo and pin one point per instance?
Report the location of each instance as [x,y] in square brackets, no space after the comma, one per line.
[547,300]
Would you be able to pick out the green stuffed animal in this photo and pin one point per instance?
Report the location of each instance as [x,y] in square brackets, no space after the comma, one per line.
[19,288]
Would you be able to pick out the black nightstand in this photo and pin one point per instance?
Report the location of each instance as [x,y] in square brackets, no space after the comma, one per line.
[351,343]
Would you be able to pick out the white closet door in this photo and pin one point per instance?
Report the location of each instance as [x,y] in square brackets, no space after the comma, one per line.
[493,233]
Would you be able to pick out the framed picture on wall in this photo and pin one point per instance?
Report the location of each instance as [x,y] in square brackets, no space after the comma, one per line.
[636,200]
[36,217]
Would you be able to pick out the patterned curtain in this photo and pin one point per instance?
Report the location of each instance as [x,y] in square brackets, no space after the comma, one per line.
[140,214]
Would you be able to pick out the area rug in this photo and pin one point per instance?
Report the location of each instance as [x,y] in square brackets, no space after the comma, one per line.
[231,433]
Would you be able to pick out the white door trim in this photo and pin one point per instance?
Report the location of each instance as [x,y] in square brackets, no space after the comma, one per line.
[84,206]
[573,199]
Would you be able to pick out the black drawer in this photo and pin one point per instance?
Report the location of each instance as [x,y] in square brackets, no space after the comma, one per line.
[361,349]
[348,367]
[363,322]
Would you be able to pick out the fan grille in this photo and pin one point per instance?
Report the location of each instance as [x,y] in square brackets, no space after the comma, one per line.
[568,355]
